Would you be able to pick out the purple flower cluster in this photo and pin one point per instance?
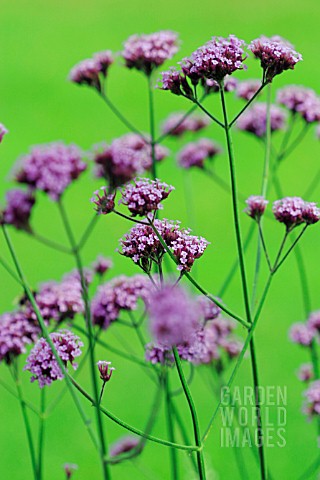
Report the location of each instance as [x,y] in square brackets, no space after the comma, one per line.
[177,124]
[41,361]
[195,154]
[202,346]
[123,445]
[275,54]
[126,158]
[293,211]
[103,201]
[174,316]
[209,309]
[247,89]
[256,206]
[312,395]
[3,131]
[60,300]
[254,120]
[216,59]
[144,196]
[18,209]
[302,101]
[102,265]
[119,294]
[143,245]
[313,321]
[90,71]
[17,330]
[51,168]
[147,52]
[301,334]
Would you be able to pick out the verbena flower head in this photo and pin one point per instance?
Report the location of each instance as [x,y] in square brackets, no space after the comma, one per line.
[310,109]
[147,52]
[275,54]
[88,72]
[314,321]
[174,315]
[305,372]
[59,301]
[312,395]
[3,131]
[254,120]
[209,309]
[176,125]
[293,211]
[42,363]
[248,89]
[17,211]
[176,82]
[195,154]
[119,294]
[256,206]
[126,158]
[102,265]
[17,330]
[103,200]
[142,244]
[51,168]
[293,97]
[217,58]
[300,333]
[123,445]
[144,196]
[212,86]
[105,370]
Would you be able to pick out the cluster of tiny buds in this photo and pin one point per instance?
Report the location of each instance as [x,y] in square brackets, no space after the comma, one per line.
[69,469]
[105,370]
[103,200]
[291,211]
[90,71]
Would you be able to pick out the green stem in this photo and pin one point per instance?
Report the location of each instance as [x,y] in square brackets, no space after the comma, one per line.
[247,104]
[93,367]
[46,335]
[193,411]
[86,234]
[41,430]
[196,284]
[199,104]
[152,128]
[183,432]
[14,394]
[26,422]
[131,428]
[49,243]
[261,450]
[170,428]
[121,117]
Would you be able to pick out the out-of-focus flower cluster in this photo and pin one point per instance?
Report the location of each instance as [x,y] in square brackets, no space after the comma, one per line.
[195,154]
[91,71]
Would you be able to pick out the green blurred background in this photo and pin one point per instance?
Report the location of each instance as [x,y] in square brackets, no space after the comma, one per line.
[39,43]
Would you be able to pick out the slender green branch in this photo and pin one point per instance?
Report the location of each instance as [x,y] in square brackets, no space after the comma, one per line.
[41,431]
[131,428]
[213,118]
[49,243]
[46,335]
[152,129]
[247,104]
[93,368]
[120,116]
[194,416]
[27,425]
[86,234]
[196,284]
[170,427]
